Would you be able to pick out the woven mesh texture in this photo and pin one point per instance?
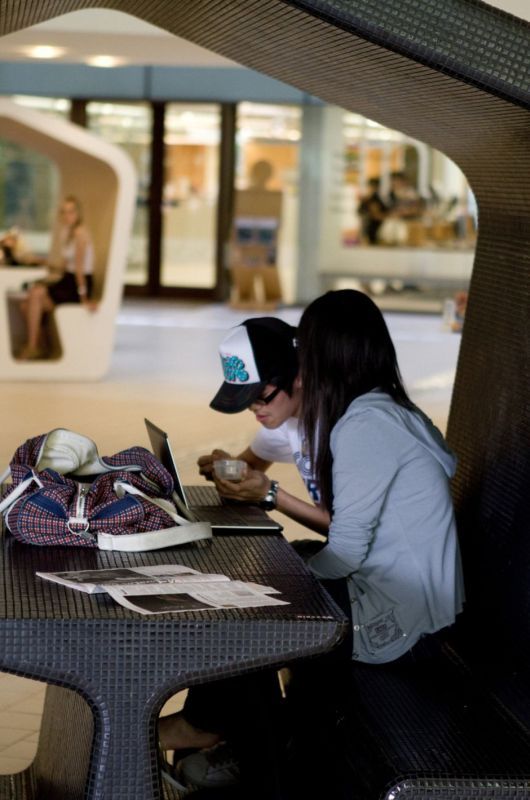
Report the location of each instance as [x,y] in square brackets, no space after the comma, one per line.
[20,786]
[432,724]
[126,665]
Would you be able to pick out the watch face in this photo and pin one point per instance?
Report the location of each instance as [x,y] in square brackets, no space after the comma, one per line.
[268,505]
[270,500]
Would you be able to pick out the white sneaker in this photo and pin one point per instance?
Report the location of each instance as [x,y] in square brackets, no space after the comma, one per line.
[213,768]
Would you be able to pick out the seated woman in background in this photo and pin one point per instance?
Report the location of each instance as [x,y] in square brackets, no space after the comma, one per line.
[75,285]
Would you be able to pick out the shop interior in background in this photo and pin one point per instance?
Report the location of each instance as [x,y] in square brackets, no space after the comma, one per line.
[422,192]
[429,210]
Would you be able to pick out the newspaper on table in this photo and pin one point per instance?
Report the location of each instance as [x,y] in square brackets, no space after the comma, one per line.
[167,588]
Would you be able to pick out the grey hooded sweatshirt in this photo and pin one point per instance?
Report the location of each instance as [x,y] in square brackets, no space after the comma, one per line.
[392,532]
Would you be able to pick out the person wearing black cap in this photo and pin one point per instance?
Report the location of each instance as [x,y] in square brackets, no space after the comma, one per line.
[260,368]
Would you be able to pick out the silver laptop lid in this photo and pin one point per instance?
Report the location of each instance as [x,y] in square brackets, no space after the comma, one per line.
[162,450]
[220,517]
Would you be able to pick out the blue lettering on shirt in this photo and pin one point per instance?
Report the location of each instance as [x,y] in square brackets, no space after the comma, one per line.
[304,467]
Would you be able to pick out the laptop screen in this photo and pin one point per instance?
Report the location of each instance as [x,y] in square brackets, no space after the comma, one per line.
[162,450]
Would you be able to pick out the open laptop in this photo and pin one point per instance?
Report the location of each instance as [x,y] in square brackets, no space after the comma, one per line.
[204,502]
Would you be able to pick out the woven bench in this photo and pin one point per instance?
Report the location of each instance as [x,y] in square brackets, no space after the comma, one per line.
[435,729]
[441,728]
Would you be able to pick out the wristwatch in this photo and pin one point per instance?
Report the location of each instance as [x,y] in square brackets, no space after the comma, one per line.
[270,500]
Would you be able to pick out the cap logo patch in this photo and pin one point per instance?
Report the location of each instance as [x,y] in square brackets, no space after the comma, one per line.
[234,369]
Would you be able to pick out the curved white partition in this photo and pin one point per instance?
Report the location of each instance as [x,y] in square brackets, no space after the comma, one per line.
[104,179]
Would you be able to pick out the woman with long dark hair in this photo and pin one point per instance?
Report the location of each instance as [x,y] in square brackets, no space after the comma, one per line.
[384,472]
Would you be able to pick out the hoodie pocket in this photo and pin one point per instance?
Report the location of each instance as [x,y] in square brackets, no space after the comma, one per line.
[382,630]
[376,619]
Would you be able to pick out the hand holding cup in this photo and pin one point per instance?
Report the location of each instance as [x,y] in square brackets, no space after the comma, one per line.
[229,469]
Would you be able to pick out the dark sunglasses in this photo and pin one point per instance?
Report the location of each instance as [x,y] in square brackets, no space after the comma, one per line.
[264,401]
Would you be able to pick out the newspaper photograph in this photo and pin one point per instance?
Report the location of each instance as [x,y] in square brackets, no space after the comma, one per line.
[99,580]
[167,588]
[194,597]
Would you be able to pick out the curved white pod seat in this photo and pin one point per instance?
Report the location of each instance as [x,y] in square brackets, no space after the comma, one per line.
[104,179]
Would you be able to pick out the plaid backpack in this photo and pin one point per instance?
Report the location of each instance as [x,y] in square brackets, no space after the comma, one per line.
[63,493]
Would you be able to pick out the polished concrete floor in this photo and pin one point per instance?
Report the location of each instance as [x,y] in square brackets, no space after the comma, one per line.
[165,366]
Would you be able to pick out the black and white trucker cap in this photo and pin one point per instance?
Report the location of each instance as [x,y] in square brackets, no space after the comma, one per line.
[255,353]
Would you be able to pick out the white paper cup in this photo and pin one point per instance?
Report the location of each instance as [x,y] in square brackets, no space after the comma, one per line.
[229,469]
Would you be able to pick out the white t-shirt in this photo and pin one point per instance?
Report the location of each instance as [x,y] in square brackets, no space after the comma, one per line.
[286,444]
[68,252]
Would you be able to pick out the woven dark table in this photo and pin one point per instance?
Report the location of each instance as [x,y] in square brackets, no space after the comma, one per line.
[125,665]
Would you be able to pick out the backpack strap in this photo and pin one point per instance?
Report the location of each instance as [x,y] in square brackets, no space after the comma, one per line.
[155,540]
[122,488]
[19,490]
[184,531]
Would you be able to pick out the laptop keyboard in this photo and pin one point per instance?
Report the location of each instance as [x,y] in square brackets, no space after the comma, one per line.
[207,505]
[203,496]
[225,516]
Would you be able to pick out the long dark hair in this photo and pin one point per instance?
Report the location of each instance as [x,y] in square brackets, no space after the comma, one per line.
[345,351]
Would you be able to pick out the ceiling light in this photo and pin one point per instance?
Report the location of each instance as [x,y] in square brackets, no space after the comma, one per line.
[44,51]
[105,61]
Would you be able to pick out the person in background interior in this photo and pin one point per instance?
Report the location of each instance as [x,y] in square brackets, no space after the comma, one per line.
[372,211]
[74,285]
[392,552]
[260,368]
[13,250]
[460,311]
[404,202]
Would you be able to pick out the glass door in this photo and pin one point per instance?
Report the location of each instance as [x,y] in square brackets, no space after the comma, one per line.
[29,181]
[268,135]
[29,196]
[128,125]
[192,136]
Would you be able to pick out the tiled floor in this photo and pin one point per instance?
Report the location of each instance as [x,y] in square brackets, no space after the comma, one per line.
[165,366]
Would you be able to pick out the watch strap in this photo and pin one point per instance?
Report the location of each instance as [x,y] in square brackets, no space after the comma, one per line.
[270,500]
